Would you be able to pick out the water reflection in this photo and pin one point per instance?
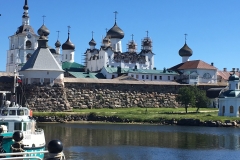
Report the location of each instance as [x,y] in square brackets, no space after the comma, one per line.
[122,141]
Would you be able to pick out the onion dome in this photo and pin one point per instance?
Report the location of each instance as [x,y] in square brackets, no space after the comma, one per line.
[233,77]
[58,44]
[115,32]
[92,43]
[68,45]
[106,40]
[25,7]
[147,42]
[132,45]
[185,51]
[43,30]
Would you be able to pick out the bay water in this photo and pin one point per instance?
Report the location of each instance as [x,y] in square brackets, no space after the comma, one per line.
[110,141]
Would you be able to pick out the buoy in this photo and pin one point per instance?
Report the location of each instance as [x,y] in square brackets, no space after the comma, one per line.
[31,113]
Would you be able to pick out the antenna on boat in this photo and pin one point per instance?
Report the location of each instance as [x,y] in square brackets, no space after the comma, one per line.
[14,89]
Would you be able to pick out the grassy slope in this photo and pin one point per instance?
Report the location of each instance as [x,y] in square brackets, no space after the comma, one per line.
[149,114]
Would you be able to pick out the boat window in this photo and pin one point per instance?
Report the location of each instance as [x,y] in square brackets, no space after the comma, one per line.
[18,126]
[24,126]
[26,112]
[4,112]
[20,112]
[12,112]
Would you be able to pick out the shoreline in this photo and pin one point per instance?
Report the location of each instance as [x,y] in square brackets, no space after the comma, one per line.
[114,120]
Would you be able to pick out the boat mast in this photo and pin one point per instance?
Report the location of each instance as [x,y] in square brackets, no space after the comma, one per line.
[14,88]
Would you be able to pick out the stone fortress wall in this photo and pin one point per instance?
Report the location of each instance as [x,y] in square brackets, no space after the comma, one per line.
[81,95]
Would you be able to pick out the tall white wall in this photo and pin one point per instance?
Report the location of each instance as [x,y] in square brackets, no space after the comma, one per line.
[67,55]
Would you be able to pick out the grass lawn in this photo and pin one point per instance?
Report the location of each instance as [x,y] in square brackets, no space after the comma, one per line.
[150,114]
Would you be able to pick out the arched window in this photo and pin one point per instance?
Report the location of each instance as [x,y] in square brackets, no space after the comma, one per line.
[11,58]
[236,86]
[239,110]
[28,56]
[231,109]
[66,57]
[70,56]
[28,44]
[223,109]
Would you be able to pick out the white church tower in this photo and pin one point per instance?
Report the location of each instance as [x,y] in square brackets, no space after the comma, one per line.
[116,34]
[68,49]
[22,44]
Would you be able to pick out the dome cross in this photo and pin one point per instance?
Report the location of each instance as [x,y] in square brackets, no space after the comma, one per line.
[58,35]
[43,18]
[115,15]
[185,37]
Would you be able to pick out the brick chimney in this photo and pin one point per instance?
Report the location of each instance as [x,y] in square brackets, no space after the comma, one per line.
[237,69]
[225,69]
[212,64]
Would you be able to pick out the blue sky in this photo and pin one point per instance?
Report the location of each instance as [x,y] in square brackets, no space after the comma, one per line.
[213,26]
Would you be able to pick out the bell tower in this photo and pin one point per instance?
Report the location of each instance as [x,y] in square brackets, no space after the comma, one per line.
[22,44]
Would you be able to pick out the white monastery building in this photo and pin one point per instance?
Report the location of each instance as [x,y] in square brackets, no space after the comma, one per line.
[24,42]
[229,99]
[195,71]
[110,53]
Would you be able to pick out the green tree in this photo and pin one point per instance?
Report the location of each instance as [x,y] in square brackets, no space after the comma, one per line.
[202,101]
[186,96]
[191,95]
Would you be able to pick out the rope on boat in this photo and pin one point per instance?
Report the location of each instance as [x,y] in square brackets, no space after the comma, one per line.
[59,156]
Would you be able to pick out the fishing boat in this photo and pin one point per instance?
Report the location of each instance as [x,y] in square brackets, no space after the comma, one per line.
[14,117]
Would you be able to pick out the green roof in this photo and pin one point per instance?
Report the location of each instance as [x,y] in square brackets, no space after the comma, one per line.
[71,65]
[141,71]
[151,71]
[86,75]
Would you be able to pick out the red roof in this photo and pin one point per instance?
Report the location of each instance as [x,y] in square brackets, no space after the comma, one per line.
[225,74]
[196,64]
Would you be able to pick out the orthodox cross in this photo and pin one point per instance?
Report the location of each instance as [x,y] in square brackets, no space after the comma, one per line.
[68,29]
[115,15]
[147,34]
[58,34]
[43,18]
[92,34]
[132,37]
[106,30]
[185,37]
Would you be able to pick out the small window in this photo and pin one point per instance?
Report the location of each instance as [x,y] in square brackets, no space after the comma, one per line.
[132,75]
[11,58]
[5,112]
[20,112]
[146,76]
[66,56]
[12,112]
[160,77]
[231,109]
[236,86]
[136,76]
[155,77]
[70,56]
[142,76]
[28,44]
[168,77]
[17,126]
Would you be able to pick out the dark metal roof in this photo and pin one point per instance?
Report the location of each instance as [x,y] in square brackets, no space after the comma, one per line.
[213,92]
[43,31]
[68,45]
[233,77]
[58,44]
[185,51]
[115,32]
[25,29]
[92,42]
[25,7]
